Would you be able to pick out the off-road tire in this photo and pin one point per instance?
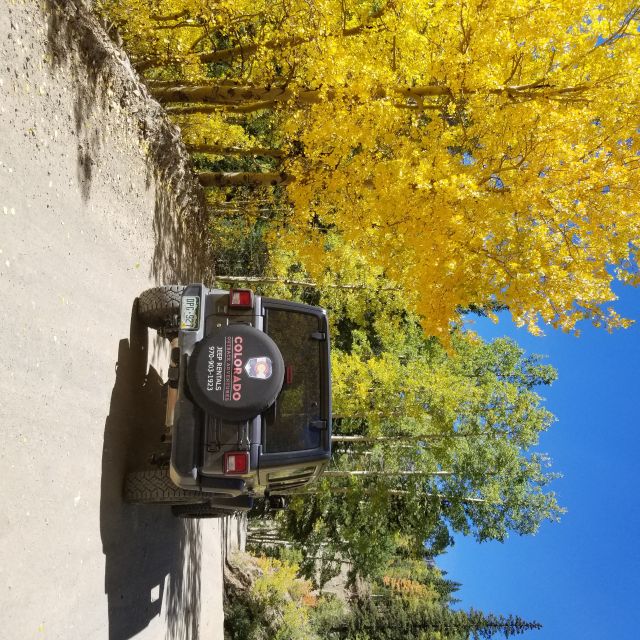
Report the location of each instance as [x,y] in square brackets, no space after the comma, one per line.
[154,486]
[200,511]
[159,309]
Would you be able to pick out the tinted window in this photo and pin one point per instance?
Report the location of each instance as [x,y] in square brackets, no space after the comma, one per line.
[287,428]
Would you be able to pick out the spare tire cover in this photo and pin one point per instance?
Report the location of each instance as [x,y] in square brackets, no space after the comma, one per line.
[236,372]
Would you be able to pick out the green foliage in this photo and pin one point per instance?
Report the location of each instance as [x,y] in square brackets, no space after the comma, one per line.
[387,617]
[289,555]
[239,243]
[421,571]
[275,607]
[448,445]
[411,602]
[328,616]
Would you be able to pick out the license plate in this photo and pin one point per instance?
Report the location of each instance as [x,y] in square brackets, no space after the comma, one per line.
[189,312]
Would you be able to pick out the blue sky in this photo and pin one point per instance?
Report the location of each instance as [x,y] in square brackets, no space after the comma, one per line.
[581,577]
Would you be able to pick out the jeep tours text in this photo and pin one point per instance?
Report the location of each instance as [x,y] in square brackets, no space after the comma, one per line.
[248,403]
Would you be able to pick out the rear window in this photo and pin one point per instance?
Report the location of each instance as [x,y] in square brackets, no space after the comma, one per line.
[287,428]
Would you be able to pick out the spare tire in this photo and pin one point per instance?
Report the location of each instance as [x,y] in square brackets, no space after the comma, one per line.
[236,372]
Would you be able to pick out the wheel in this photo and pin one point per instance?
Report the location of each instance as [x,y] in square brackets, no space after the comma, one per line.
[154,486]
[159,308]
[200,511]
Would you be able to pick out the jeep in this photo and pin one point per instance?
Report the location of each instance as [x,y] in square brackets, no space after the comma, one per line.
[248,411]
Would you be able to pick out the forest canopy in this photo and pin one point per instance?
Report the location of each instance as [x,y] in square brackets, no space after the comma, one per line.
[475,153]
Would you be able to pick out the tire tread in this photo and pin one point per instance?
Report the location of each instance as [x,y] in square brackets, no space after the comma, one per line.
[154,486]
[159,307]
[200,511]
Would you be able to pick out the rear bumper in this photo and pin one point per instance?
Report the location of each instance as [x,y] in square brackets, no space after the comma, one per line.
[229,487]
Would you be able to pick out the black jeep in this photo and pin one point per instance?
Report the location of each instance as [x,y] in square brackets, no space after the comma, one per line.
[248,402]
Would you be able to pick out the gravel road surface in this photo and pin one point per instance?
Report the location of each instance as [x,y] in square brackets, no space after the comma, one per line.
[95,206]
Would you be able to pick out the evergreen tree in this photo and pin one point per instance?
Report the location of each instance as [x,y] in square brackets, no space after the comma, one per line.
[388,617]
[443,447]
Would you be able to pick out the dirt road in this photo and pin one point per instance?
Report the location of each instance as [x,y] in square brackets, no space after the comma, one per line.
[94,208]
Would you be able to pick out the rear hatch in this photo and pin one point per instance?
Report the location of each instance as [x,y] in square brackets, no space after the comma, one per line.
[300,420]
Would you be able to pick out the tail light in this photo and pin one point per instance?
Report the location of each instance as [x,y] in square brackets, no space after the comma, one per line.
[236,462]
[241,299]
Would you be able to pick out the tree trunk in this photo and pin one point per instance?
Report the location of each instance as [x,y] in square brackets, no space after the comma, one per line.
[171,16]
[417,438]
[244,51]
[270,96]
[385,474]
[219,93]
[237,96]
[243,178]
[225,94]
[204,109]
[393,492]
[300,283]
[221,150]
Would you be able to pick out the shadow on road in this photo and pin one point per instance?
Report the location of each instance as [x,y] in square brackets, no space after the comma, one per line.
[86,66]
[99,76]
[152,559]
[182,250]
